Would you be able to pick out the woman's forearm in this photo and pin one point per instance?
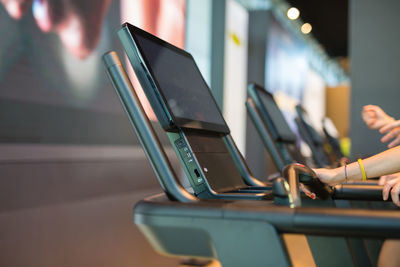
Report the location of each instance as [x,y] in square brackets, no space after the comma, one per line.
[386,162]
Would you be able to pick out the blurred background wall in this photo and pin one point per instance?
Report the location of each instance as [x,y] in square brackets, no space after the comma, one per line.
[71,168]
[374,57]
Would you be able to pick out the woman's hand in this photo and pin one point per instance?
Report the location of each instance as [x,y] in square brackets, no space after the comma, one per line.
[329,176]
[392,130]
[307,192]
[391,184]
[374,117]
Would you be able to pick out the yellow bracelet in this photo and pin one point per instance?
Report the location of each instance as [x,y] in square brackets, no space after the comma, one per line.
[362,169]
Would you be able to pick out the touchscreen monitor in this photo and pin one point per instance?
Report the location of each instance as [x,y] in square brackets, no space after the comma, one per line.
[179,82]
[303,115]
[275,114]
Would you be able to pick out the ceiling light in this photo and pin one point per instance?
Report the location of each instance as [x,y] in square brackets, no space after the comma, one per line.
[306,28]
[293,13]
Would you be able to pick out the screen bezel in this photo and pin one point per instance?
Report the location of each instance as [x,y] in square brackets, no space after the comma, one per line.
[179,122]
[258,91]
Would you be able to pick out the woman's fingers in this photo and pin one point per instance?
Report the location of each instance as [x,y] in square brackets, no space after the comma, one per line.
[390,135]
[369,118]
[385,178]
[385,191]
[395,142]
[390,126]
[388,186]
[307,192]
[395,194]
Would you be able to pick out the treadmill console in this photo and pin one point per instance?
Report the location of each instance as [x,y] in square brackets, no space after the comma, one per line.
[303,115]
[277,123]
[268,114]
[172,82]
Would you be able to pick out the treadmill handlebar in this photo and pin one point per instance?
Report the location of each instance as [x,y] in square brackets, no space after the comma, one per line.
[298,173]
[347,222]
[145,132]
[302,220]
[360,191]
[290,173]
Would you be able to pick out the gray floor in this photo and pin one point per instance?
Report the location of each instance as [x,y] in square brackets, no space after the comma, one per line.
[64,211]
[96,232]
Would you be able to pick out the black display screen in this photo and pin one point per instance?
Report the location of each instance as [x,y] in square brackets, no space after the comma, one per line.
[279,121]
[315,136]
[185,93]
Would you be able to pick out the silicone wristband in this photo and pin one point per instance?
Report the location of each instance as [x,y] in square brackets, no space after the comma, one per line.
[362,169]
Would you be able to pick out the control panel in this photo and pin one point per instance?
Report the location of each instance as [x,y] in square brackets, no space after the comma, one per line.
[191,166]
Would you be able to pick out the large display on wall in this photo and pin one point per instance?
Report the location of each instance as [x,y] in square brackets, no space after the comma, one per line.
[53,86]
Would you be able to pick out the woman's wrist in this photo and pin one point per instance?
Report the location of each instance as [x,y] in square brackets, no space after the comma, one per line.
[339,175]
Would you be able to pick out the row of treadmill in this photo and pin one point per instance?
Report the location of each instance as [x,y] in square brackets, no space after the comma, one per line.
[226,213]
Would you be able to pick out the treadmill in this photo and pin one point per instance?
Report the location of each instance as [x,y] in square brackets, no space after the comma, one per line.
[179,224]
[272,127]
[187,111]
[332,136]
[313,139]
[176,192]
[280,141]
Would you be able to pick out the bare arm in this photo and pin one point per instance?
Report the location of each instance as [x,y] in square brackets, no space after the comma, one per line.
[386,162]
